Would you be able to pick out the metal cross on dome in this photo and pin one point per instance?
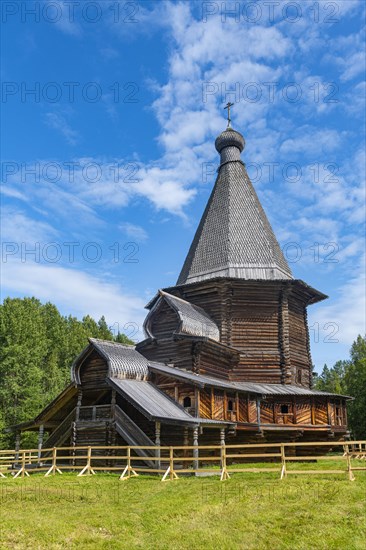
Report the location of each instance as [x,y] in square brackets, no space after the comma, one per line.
[227,106]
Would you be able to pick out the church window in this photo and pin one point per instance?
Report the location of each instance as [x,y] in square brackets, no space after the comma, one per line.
[187,402]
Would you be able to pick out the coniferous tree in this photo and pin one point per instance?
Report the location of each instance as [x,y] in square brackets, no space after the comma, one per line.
[349,378]
[37,348]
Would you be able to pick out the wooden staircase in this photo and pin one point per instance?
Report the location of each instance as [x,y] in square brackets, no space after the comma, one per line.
[91,428]
[133,435]
[62,433]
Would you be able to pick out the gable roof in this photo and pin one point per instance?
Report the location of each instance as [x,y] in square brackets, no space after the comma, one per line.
[155,404]
[234,237]
[194,321]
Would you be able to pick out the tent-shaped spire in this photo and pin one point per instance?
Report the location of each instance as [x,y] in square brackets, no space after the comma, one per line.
[234,238]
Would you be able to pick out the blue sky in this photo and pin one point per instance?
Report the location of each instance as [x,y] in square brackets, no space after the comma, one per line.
[109,161]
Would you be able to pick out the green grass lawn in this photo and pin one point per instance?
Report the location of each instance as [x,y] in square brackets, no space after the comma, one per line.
[249,511]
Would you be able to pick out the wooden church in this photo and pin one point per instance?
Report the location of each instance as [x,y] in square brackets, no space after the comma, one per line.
[226,355]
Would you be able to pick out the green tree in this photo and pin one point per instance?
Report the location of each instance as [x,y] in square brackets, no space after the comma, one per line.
[349,378]
[104,332]
[123,339]
[355,379]
[37,348]
[332,379]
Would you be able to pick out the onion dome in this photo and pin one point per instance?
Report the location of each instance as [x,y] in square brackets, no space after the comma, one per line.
[229,144]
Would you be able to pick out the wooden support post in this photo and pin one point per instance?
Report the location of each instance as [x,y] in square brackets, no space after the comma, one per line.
[88,469]
[198,400]
[212,402]
[237,409]
[258,413]
[225,405]
[185,441]
[53,468]
[17,446]
[195,451]
[157,443]
[248,408]
[40,442]
[283,462]
[128,470]
[22,472]
[176,393]
[78,405]
[351,477]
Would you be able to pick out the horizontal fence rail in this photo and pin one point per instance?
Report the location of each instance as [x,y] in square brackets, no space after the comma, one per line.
[170,462]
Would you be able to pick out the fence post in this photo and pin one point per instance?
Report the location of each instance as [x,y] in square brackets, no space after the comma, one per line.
[128,469]
[170,471]
[88,469]
[349,465]
[224,472]
[22,470]
[53,468]
[283,462]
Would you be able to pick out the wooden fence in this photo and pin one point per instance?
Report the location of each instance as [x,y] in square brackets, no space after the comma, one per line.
[170,462]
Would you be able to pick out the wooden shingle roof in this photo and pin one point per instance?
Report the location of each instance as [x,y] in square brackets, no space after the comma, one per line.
[234,238]
[201,380]
[123,361]
[194,321]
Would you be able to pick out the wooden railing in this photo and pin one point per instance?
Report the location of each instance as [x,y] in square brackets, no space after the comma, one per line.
[64,429]
[223,460]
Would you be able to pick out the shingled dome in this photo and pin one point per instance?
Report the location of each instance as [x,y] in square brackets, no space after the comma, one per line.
[229,138]
[234,238]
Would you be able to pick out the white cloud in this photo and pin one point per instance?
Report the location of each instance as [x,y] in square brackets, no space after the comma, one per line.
[75,292]
[65,15]
[134,231]
[13,193]
[59,123]
[16,227]
[345,310]
[312,141]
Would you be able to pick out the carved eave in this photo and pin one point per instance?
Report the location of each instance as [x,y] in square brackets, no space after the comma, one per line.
[310,294]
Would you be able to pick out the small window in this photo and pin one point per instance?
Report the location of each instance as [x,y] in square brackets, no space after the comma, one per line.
[284,409]
[298,376]
[230,405]
[187,402]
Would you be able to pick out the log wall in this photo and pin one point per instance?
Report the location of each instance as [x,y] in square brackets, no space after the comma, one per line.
[266,322]
[165,321]
[93,372]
